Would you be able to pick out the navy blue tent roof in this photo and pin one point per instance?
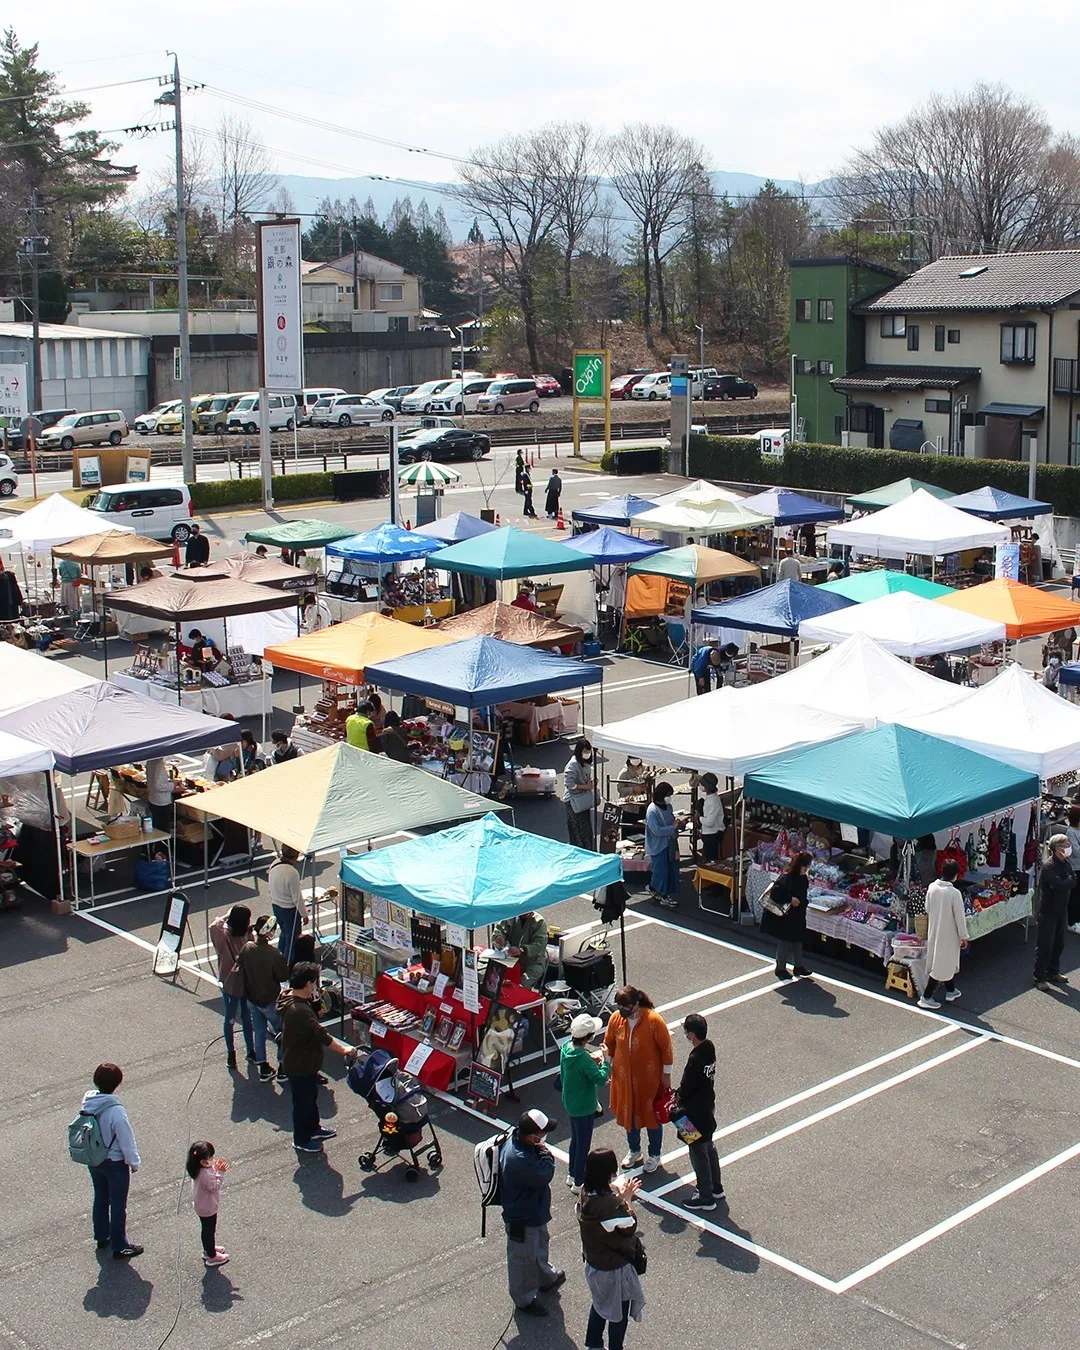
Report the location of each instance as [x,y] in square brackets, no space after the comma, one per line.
[778,608]
[792,508]
[481,671]
[993,503]
[606,545]
[615,511]
[385,543]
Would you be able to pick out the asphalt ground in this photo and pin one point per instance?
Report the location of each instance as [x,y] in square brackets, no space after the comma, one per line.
[895,1178]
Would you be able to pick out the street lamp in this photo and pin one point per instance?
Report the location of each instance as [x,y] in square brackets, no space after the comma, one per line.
[701,344]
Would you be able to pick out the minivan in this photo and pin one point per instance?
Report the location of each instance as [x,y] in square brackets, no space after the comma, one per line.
[655,385]
[455,399]
[214,418]
[92,428]
[157,510]
[509,396]
[419,401]
[308,399]
[245,416]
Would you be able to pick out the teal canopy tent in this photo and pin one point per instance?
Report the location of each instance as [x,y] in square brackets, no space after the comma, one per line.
[508,553]
[893,780]
[892,493]
[480,872]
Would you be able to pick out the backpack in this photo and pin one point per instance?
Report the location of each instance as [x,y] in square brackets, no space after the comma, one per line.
[86,1145]
[487,1163]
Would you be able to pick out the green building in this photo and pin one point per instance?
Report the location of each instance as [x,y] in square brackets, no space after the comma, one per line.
[827,339]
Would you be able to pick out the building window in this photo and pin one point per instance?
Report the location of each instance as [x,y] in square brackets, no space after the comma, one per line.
[824,367]
[938,405]
[1017,344]
[838,425]
[954,334]
[804,367]
[939,337]
[913,337]
[826,311]
[893,325]
[802,311]
[399,323]
[860,417]
[391,291]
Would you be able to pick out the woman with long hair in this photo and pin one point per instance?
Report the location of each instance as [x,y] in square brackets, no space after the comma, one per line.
[579,794]
[609,1246]
[639,1046]
[790,889]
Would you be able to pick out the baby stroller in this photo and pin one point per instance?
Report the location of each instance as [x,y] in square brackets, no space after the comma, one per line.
[401,1110]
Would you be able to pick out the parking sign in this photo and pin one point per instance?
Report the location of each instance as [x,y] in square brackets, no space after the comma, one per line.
[13,396]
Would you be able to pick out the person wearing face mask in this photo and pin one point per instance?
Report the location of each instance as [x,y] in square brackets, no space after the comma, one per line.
[697,1101]
[579,794]
[1055,888]
[946,936]
[525,936]
[662,828]
[1072,833]
[638,1044]
[790,889]
[1052,671]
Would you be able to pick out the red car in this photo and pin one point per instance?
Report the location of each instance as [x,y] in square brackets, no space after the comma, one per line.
[621,385]
[547,386]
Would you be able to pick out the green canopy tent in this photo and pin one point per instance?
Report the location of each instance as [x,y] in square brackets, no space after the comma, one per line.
[891,493]
[298,534]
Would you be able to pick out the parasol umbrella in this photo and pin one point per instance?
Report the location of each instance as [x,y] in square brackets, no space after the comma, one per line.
[426,473]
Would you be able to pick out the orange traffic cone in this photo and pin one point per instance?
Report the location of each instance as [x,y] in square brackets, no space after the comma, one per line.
[408,523]
[560,524]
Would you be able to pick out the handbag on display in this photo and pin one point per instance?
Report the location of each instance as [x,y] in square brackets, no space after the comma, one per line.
[969,851]
[1031,842]
[993,846]
[952,852]
[981,847]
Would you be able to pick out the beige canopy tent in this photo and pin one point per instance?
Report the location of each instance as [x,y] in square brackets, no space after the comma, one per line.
[112,548]
[253,568]
[524,627]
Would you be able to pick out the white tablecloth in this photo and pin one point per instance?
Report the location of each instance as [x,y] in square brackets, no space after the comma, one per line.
[242,700]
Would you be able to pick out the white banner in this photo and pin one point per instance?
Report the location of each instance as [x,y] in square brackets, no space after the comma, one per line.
[13,392]
[280,321]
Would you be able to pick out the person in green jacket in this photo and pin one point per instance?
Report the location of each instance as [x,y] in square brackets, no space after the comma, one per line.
[582,1071]
[524,936]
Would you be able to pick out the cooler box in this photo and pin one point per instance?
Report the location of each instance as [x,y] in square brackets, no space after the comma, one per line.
[537,782]
[586,972]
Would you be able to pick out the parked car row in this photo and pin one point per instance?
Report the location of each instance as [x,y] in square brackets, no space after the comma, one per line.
[705,382]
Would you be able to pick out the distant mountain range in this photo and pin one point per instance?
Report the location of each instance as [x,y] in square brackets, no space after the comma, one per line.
[308,192]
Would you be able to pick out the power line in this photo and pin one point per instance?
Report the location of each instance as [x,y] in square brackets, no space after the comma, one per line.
[68,93]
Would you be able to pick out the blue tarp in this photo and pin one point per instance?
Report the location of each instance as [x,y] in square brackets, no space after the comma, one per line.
[895,780]
[508,553]
[606,545]
[792,508]
[994,504]
[481,872]
[385,544]
[453,529]
[615,511]
[482,671]
[779,608]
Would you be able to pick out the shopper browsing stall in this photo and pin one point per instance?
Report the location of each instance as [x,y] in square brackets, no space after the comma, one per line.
[229,933]
[1072,833]
[360,728]
[304,1040]
[579,794]
[393,742]
[264,970]
[582,1069]
[788,894]
[662,828]
[639,1045]
[525,938]
[286,898]
[946,936]
[711,821]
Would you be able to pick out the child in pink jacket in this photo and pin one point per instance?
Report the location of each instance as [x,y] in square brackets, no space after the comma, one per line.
[207,1173]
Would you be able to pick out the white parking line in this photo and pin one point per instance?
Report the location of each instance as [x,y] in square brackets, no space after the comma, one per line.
[142,942]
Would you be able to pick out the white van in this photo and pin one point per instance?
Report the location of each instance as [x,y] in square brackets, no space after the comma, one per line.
[308,399]
[282,410]
[459,398]
[420,400]
[653,386]
[157,510]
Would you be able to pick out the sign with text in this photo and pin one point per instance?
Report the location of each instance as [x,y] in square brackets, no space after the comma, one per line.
[281,329]
[13,395]
[590,375]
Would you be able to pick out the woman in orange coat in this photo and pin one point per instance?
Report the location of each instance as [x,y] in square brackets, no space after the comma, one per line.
[639,1045]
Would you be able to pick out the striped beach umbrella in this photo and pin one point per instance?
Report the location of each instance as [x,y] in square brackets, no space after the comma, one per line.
[426,473]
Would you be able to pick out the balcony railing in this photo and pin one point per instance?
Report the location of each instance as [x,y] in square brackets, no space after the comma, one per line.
[1066,375]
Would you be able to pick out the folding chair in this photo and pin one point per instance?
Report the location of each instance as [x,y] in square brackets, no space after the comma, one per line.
[677,641]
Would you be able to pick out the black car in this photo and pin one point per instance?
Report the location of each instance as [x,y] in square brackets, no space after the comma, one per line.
[394,396]
[48,417]
[441,443]
[729,386]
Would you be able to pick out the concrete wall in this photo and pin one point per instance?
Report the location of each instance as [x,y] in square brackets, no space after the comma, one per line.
[353,361]
[87,373]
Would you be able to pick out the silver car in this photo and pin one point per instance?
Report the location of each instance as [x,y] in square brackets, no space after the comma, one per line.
[350,410]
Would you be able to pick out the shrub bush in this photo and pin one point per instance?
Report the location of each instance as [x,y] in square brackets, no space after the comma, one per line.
[849,469]
[248,491]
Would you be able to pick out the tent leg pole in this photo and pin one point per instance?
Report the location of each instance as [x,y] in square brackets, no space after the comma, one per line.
[74,840]
[737,898]
[176,648]
[104,635]
[622,945]
[50,781]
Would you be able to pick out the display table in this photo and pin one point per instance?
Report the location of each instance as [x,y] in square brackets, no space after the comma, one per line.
[341,609]
[239,700]
[988,920]
[543,721]
[91,851]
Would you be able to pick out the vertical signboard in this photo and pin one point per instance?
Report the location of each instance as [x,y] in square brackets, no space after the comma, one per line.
[592,384]
[679,439]
[13,394]
[281,329]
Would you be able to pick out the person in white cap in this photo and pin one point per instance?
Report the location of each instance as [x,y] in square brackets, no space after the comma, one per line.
[581,1071]
[526,1169]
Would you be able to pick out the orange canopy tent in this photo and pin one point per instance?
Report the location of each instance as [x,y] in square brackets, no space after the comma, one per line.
[1024,610]
[344,651]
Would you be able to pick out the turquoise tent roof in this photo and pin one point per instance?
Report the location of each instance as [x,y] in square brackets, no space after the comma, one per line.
[481,872]
[892,493]
[507,553]
[863,586]
[893,779]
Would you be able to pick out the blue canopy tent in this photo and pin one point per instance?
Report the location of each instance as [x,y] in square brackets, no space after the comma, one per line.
[606,546]
[792,508]
[480,872]
[778,608]
[893,780]
[455,528]
[995,504]
[386,543]
[615,511]
[507,553]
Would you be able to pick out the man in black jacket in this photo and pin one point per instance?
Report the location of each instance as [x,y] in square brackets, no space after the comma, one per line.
[303,1041]
[197,550]
[697,1101]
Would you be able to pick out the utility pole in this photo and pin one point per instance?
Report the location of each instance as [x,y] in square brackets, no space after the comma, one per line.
[172,97]
[355,269]
[33,246]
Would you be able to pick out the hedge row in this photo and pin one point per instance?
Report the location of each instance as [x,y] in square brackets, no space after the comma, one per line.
[837,468]
[248,491]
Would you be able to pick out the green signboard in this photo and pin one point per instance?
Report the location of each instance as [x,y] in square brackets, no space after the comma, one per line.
[590,375]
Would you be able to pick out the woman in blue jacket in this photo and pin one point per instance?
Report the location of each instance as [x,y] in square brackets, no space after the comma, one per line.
[662,846]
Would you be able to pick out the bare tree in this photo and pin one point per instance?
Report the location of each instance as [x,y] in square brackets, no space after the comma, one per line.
[282,202]
[510,186]
[654,169]
[245,171]
[574,171]
[979,172]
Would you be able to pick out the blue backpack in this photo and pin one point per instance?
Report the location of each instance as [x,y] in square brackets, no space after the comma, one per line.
[86,1144]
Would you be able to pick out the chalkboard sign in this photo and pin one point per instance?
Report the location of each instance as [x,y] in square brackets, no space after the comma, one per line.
[484,1084]
[173,924]
[610,821]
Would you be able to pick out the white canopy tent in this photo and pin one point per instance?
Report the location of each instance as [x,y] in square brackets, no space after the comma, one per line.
[920,524]
[698,492]
[730,731]
[704,518]
[1014,719]
[56,520]
[906,625]
[858,678]
[18,756]
[28,677]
